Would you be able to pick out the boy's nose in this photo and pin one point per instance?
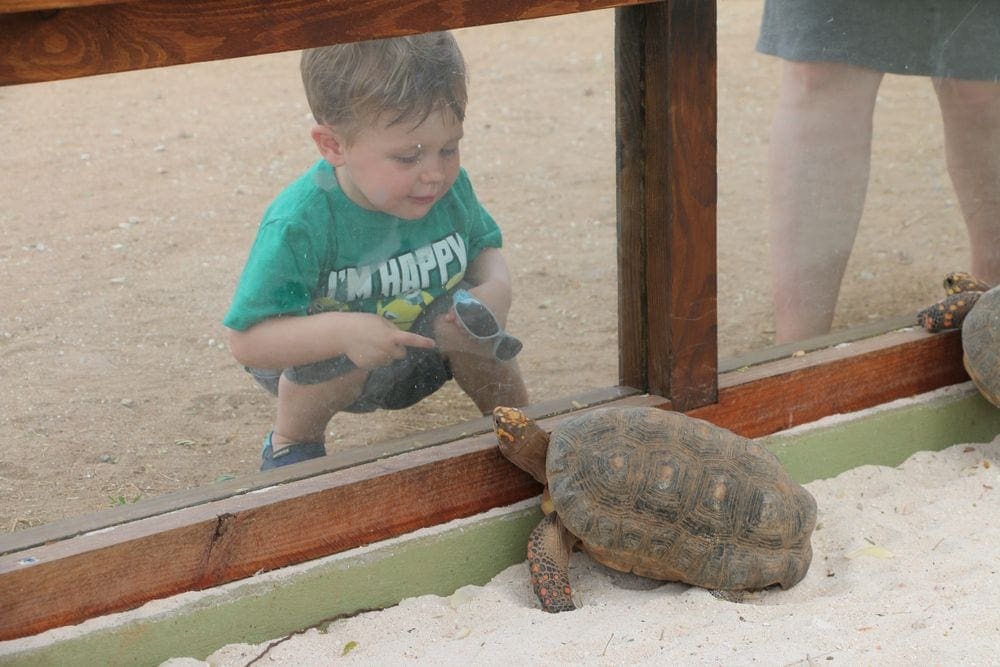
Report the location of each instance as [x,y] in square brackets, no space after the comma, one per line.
[432,171]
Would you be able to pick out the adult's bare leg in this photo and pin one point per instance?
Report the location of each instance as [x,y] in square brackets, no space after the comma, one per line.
[819,163]
[970,111]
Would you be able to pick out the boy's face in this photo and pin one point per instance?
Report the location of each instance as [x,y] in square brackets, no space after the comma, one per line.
[397,169]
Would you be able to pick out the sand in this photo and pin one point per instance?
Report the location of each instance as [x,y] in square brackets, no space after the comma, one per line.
[905,570]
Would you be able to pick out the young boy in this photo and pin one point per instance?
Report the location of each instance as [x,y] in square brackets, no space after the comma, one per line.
[344,302]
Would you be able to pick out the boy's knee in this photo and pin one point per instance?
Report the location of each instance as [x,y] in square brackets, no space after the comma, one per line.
[475,365]
[483,377]
[338,392]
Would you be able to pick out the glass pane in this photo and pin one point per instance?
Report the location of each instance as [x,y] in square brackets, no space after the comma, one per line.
[132,201]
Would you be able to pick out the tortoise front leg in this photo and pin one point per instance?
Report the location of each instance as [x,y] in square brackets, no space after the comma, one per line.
[949,312]
[549,547]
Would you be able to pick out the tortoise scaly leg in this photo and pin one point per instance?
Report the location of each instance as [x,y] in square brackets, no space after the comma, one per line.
[549,547]
[949,312]
[735,597]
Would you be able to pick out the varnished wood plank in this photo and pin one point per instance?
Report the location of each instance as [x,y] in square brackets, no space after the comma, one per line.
[210,544]
[798,390]
[97,39]
[667,199]
[692,101]
[841,337]
[17,6]
[682,228]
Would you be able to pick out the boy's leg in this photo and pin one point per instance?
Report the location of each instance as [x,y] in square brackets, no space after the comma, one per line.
[304,410]
[819,161]
[489,382]
[970,111]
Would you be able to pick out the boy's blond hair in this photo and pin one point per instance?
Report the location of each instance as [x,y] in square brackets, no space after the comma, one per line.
[352,86]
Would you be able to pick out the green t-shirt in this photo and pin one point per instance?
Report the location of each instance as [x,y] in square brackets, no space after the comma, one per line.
[317,251]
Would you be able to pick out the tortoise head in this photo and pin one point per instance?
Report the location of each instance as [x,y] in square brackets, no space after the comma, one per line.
[521,441]
[959,281]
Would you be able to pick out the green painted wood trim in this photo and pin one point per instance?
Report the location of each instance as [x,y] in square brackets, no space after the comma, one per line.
[886,435]
[439,561]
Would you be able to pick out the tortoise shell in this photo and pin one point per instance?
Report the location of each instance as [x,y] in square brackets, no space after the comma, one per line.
[981,345]
[679,499]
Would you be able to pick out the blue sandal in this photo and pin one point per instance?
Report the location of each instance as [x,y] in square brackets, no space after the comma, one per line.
[289,454]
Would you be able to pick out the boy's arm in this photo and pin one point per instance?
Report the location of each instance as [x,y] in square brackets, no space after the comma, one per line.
[491,282]
[280,342]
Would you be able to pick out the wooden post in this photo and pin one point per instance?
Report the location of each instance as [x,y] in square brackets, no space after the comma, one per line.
[666,140]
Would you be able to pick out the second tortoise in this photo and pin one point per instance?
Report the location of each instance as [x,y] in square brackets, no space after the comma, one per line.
[972,306]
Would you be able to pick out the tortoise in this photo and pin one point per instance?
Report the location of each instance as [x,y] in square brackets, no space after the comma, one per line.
[971,305]
[661,495]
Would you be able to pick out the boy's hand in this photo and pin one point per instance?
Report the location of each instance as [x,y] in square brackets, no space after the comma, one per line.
[452,336]
[375,341]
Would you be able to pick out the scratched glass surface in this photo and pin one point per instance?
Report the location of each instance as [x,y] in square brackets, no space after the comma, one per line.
[131,202]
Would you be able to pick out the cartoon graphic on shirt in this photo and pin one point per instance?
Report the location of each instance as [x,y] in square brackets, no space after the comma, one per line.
[404,310]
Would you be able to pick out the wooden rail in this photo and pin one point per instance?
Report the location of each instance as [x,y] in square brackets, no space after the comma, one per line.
[212,543]
[43,41]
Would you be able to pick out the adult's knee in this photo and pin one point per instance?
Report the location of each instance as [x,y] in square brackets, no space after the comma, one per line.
[834,83]
[969,99]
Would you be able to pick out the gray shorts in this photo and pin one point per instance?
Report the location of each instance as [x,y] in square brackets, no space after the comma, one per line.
[398,385]
[957,39]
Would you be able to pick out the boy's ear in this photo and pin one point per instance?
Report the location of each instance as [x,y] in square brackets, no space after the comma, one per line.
[330,143]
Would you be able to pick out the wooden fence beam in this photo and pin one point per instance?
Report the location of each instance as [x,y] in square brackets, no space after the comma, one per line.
[61,40]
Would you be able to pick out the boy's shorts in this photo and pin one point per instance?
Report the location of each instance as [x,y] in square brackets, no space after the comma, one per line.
[398,385]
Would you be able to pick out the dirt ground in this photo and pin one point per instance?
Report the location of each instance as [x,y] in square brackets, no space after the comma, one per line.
[130,201]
